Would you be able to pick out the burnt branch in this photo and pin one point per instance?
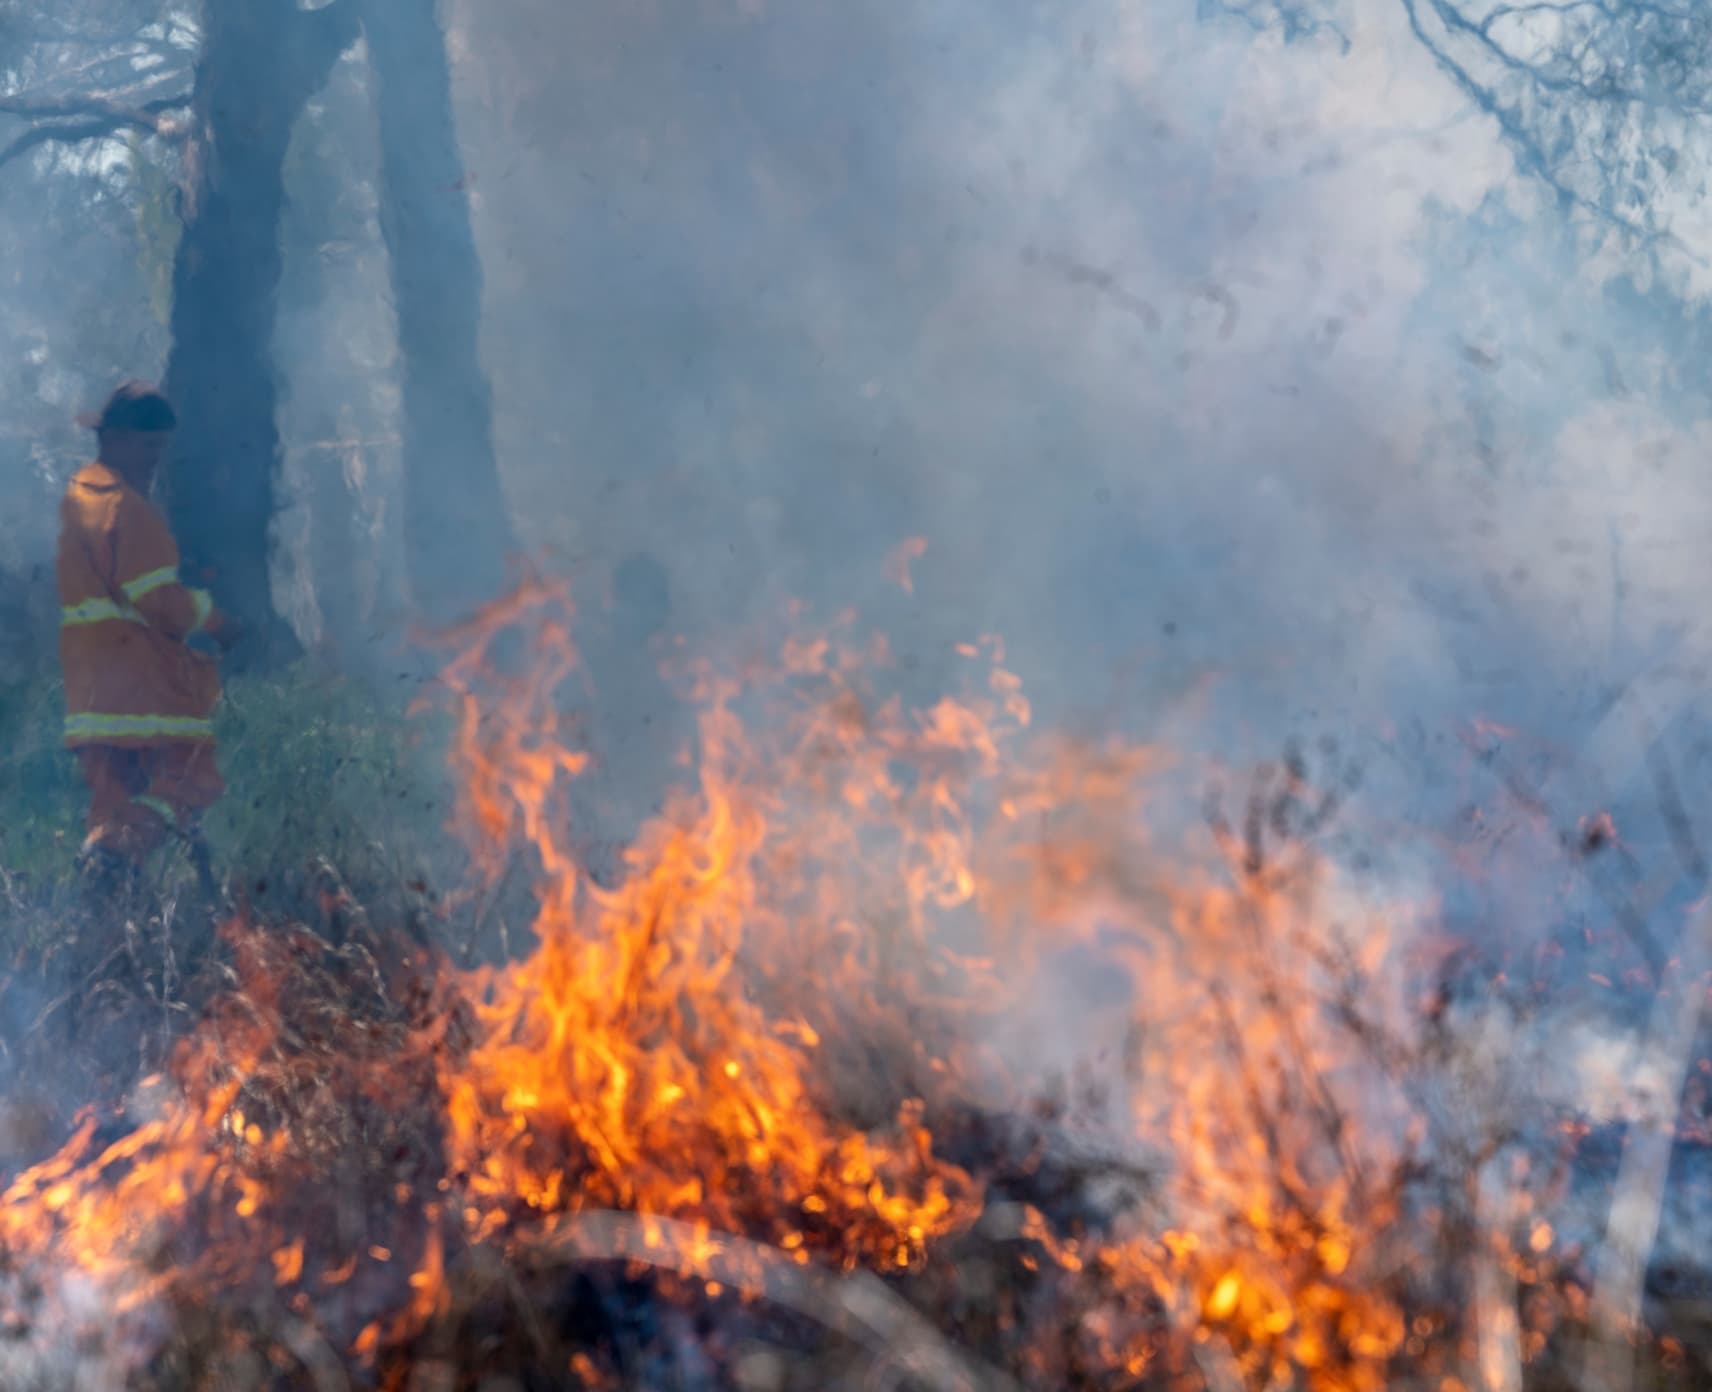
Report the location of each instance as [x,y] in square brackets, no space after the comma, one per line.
[856,1305]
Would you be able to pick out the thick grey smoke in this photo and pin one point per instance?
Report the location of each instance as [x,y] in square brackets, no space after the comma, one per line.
[1245,388]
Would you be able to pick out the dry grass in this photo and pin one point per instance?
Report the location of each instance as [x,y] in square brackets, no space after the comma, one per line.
[344,959]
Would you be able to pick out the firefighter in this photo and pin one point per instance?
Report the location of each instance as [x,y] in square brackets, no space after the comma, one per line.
[139,694]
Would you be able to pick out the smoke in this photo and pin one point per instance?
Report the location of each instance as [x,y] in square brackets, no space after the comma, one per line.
[1244,387]
[1115,311]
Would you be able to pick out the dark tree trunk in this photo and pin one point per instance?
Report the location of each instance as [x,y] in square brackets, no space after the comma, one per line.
[457,530]
[261,62]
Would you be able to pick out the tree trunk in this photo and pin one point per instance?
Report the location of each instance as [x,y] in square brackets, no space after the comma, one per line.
[261,62]
[457,531]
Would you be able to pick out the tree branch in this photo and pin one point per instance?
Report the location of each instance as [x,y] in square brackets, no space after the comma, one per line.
[56,108]
[62,134]
[77,119]
[173,60]
[1532,159]
[1588,95]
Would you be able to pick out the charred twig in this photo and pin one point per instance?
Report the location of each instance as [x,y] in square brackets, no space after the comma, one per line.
[1280,811]
[857,1306]
[1231,1027]
[1325,1106]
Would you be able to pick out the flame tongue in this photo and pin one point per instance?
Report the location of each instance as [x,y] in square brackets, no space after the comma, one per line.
[752,1036]
[627,1064]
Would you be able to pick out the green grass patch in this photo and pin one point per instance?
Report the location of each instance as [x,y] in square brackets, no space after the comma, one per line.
[41,796]
[316,768]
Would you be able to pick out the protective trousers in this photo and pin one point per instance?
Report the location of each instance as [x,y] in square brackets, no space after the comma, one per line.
[139,796]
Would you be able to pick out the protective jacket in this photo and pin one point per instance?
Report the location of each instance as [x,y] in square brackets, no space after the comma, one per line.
[130,679]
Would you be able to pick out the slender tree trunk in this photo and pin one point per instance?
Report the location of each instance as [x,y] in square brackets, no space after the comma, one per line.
[457,531]
[261,62]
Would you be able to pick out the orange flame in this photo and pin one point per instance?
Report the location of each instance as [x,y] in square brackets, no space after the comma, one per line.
[851,879]
[624,1064]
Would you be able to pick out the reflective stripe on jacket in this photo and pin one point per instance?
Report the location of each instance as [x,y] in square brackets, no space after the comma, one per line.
[124,615]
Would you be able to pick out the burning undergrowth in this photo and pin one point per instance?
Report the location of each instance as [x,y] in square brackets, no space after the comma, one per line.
[767,1106]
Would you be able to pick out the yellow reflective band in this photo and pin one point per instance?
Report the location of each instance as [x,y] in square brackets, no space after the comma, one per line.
[204,607]
[148,584]
[160,807]
[92,726]
[93,611]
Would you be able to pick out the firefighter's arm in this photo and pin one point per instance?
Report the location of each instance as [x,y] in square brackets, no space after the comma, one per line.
[146,570]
